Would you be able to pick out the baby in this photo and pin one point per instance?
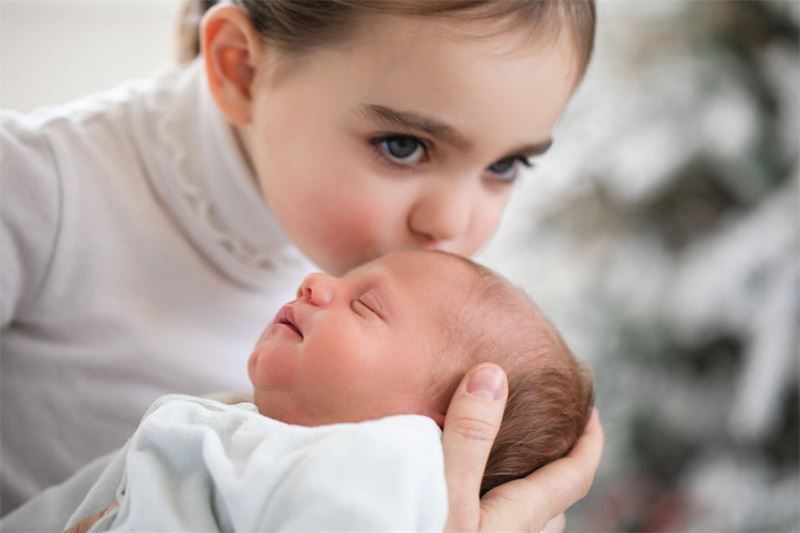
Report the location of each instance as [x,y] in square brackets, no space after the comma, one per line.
[396,336]
[392,337]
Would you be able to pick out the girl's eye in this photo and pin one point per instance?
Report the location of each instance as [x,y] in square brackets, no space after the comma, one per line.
[504,165]
[507,169]
[401,149]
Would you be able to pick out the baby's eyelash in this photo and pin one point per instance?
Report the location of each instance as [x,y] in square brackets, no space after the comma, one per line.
[372,303]
[356,303]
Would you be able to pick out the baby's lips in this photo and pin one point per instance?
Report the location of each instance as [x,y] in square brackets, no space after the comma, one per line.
[286,315]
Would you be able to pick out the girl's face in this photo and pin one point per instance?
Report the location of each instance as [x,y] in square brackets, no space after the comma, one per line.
[405,136]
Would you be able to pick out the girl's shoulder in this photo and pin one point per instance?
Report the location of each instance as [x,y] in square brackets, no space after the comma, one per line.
[105,129]
[109,104]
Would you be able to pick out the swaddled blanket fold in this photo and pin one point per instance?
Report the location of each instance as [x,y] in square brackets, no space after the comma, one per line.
[199,465]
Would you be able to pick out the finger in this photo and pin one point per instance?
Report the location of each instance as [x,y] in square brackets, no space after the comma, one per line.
[470,427]
[555,525]
[589,448]
[528,503]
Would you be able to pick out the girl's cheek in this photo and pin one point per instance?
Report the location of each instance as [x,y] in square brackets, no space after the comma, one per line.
[485,225]
[359,218]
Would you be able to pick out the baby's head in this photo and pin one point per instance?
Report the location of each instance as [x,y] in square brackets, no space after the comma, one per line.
[396,335]
[551,393]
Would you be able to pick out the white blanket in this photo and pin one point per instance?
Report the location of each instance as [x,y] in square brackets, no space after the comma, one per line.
[199,465]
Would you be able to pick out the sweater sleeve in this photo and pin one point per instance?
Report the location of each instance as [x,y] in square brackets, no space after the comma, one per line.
[30,207]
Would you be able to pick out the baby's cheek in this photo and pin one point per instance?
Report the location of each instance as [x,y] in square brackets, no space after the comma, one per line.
[268,370]
[251,367]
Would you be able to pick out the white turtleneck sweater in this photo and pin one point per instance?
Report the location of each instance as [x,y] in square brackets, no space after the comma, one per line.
[137,258]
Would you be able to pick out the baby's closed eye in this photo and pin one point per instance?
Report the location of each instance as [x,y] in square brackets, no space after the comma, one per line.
[369,303]
[361,308]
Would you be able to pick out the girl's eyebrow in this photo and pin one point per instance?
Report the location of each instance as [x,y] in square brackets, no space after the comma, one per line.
[415,121]
[535,149]
[436,128]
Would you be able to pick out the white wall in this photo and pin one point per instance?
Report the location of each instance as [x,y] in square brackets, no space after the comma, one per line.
[52,51]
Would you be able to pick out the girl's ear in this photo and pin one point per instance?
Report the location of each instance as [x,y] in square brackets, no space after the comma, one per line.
[231,52]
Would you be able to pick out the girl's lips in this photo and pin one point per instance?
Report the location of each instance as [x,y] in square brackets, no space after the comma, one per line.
[286,318]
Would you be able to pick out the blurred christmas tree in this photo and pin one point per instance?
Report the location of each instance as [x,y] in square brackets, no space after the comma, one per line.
[664,239]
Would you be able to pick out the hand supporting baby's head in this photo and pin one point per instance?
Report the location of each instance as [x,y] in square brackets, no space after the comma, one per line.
[551,393]
[396,335]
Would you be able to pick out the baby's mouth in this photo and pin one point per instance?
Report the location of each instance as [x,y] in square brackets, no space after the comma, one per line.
[286,318]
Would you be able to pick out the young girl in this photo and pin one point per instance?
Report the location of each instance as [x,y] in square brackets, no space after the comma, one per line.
[147,233]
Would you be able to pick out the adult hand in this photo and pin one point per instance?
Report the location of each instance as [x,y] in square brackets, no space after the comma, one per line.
[527,504]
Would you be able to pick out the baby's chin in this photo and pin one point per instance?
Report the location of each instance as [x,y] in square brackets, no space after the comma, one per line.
[276,406]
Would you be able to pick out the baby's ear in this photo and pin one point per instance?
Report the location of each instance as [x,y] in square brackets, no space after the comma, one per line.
[231,50]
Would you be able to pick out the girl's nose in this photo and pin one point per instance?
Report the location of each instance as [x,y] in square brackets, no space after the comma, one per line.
[317,289]
[441,215]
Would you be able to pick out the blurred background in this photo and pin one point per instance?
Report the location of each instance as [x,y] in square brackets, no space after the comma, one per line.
[53,51]
[661,234]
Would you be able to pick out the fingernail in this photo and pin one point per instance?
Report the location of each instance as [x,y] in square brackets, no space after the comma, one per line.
[487,382]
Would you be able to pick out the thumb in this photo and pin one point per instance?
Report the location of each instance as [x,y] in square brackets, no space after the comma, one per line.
[470,427]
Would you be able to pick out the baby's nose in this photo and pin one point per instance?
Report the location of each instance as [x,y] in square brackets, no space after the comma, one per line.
[317,289]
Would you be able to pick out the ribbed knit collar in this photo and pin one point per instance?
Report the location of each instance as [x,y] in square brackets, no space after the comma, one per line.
[199,170]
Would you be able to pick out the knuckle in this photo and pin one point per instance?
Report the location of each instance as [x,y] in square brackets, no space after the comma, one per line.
[507,512]
[579,482]
[474,429]
[544,493]
[534,507]
[534,524]
[583,482]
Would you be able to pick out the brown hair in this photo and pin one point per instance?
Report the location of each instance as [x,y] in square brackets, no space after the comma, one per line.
[296,26]
[551,393]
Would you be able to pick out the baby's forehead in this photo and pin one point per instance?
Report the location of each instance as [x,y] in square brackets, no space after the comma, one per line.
[477,290]
[439,271]
[441,287]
